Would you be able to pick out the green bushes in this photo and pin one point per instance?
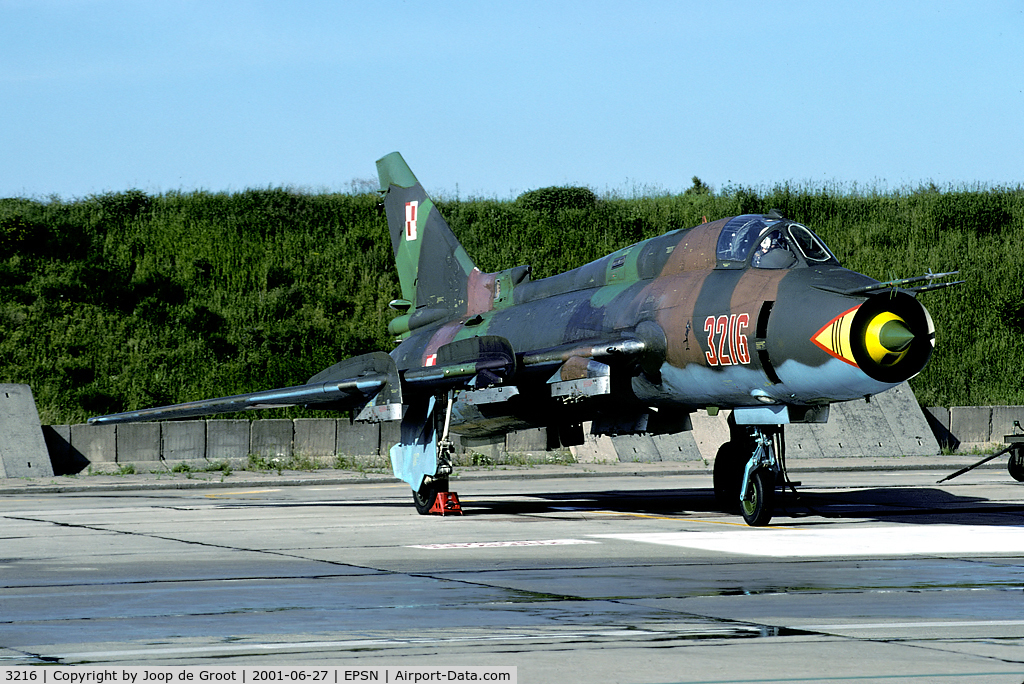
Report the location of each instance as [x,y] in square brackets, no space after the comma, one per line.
[144,300]
[126,300]
[556,199]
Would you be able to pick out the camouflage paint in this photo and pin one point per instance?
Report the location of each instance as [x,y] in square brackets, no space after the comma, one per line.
[727,334]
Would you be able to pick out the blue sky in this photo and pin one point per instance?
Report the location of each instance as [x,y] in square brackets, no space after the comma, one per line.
[494,98]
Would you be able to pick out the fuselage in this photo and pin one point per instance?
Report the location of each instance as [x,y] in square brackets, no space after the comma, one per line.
[725,322]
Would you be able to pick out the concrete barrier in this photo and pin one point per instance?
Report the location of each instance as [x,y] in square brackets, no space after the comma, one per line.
[480,450]
[390,433]
[63,459]
[680,446]
[227,440]
[595,448]
[315,437]
[97,444]
[891,424]
[709,433]
[137,442]
[358,439]
[1006,420]
[907,421]
[636,449]
[526,441]
[938,421]
[183,440]
[972,425]
[22,446]
[271,438]
[984,427]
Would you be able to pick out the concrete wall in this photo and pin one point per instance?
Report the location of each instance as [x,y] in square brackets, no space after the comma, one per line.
[151,446]
[979,427]
[891,424]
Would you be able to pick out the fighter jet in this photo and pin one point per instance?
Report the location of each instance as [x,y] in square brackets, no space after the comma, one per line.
[750,313]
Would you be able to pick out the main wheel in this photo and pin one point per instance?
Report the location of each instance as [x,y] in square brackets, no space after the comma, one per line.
[1016,463]
[729,463]
[759,506]
[426,495]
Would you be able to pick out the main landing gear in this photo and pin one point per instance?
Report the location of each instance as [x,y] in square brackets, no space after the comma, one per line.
[747,470]
[425,497]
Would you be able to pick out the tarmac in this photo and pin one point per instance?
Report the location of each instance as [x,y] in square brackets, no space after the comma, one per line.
[599,576]
[942,464]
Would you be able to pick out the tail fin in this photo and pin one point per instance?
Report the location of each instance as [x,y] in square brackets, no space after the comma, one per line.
[434,270]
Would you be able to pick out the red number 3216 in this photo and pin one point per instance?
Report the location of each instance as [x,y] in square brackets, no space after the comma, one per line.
[732,346]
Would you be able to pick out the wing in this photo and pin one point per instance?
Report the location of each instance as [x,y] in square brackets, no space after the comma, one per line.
[372,383]
[369,381]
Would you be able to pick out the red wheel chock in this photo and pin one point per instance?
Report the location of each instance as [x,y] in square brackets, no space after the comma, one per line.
[446,503]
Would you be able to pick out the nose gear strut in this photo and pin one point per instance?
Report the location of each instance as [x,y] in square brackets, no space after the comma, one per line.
[760,475]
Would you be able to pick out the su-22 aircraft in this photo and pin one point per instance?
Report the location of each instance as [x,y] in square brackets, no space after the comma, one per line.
[751,313]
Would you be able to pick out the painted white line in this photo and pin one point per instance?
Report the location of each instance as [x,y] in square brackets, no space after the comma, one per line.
[904,540]
[501,544]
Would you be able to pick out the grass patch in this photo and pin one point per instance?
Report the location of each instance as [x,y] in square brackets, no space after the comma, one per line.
[264,463]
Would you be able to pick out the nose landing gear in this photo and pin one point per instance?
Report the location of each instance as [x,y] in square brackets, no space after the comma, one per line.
[747,471]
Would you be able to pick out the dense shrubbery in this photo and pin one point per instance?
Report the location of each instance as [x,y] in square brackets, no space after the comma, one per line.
[127,300]
[556,199]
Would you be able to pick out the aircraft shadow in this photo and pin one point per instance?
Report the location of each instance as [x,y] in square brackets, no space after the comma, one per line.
[916,505]
[890,504]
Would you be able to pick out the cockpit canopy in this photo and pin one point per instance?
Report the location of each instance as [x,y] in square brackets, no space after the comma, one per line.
[770,242]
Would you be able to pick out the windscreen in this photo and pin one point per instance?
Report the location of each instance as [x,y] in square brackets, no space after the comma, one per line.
[810,244]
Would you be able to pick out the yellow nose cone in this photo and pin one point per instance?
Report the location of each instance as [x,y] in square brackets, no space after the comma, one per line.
[887,338]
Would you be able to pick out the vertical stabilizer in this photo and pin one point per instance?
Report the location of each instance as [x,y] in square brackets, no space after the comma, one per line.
[433,268]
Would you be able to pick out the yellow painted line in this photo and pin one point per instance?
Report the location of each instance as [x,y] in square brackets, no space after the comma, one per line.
[331,488]
[635,515]
[699,520]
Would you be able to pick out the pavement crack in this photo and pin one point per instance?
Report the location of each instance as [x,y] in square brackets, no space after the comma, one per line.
[191,542]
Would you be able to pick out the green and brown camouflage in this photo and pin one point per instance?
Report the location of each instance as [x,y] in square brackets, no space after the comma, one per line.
[687,320]
[752,313]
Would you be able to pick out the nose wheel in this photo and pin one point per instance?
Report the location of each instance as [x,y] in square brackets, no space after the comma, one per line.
[758,505]
[746,472]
